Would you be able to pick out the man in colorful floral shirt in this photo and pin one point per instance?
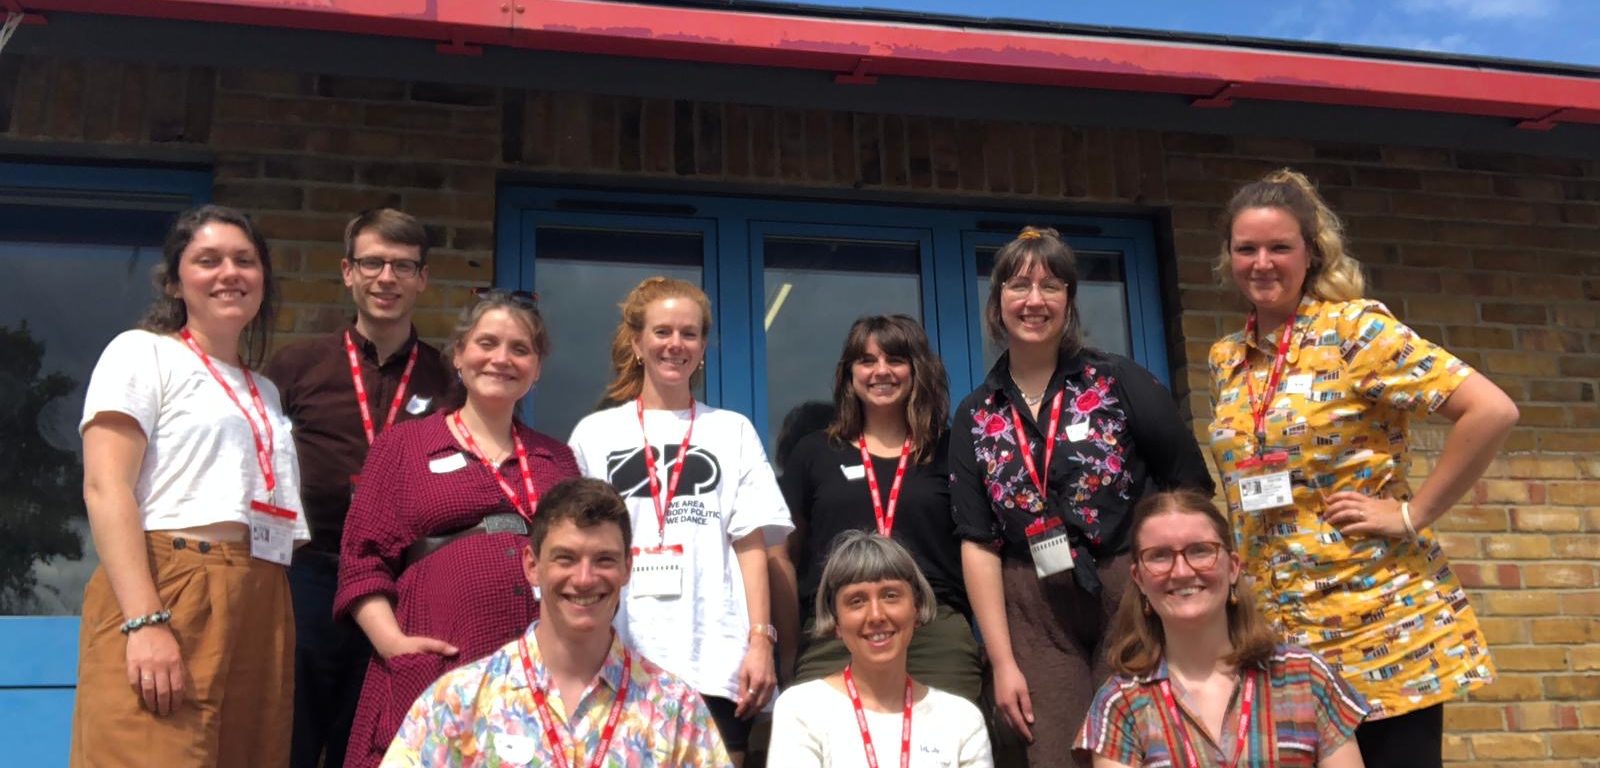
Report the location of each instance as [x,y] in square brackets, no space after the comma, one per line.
[568,692]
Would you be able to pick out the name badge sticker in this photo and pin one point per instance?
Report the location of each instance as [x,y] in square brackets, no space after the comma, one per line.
[857,472]
[418,405]
[1299,384]
[447,464]
[1077,432]
[271,532]
[657,572]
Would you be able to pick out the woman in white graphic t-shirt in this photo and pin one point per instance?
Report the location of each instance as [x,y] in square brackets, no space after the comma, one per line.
[703,502]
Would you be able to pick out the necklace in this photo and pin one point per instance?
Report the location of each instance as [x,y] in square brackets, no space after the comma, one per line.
[1032,400]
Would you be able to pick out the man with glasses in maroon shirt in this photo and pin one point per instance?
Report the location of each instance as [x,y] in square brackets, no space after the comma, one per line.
[342,391]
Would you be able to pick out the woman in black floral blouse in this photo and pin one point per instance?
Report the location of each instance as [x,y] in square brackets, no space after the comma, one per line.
[1044,523]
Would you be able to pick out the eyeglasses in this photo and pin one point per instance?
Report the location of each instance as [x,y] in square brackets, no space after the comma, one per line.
[1201,556]
[524,298]
[372,266]
[1049,288]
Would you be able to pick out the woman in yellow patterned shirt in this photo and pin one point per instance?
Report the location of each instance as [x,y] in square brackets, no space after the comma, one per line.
[1312,401]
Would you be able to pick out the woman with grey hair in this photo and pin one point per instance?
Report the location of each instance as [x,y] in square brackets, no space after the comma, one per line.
[873,597]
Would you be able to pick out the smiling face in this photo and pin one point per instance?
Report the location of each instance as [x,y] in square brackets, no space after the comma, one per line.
[875,620]
[1269,260]
[220,278]
[384,297]
[879,379]
[672,343]
[580,573]
[497,359]
[1183,595]
[1034,306]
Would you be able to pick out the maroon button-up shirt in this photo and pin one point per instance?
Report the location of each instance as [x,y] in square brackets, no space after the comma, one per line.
[320,398]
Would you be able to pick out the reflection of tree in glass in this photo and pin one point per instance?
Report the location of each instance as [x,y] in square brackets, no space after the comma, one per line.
[40,485]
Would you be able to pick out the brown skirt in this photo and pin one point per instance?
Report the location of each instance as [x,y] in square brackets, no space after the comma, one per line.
[232,617]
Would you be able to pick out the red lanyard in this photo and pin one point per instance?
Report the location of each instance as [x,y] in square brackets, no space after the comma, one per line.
[885,517]
[861,720]
[263,446]
[1049,443]
[522,463]
[1191,760]
[559,754]
[673,475]
[1258,412]
[361,387]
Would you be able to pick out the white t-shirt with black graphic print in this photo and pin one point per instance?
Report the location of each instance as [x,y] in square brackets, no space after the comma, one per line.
[727,491]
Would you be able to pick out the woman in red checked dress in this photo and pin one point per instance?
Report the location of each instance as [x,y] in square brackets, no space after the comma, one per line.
[431,561]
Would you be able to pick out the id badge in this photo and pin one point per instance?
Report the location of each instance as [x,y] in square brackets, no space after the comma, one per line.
[271,532]
[1264,483]
[1052,550]
[657,572]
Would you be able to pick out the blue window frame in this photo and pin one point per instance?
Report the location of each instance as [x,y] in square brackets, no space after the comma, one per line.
[949,245]
[77,242]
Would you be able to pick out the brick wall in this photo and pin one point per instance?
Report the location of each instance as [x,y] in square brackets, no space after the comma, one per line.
[1496,256]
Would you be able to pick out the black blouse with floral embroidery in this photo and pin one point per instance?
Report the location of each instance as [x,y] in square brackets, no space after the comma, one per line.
[1133,437]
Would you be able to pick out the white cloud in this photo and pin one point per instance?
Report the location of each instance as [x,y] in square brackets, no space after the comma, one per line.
[1483,10]
[1441,44]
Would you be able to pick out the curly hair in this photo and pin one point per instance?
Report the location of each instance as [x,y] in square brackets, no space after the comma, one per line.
[1333,274]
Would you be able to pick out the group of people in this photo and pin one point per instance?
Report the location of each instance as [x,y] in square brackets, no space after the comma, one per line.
[368,525]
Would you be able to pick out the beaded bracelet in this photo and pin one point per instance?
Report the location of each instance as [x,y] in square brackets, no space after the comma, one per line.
[140,622]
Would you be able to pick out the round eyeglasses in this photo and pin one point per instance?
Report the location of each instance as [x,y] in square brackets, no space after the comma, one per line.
[1201,556]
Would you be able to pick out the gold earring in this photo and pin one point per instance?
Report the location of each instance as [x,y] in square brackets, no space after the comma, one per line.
[1146,603]
[1233,594]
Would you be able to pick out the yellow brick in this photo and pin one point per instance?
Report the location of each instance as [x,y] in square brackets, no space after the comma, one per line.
[1456,748]
[1514,547]
[1577,547]
[1531,658]
[1511,687]
[1558,575]
[1494,519]
[1578,494]
[1502,492]
[1566,630]
[1463,546]
[1546,519]
[1537,716]
[1474,717]
[1504,631]
[1584,744]
[1507,746]
[1580,687]
[1520,603]
[1589,715]
[1585,659]
[1541,467]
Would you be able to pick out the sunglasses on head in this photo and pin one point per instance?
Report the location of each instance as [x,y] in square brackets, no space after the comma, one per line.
[525,298]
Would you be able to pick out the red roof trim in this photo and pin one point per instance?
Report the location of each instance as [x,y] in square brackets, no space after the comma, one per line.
[1214,75]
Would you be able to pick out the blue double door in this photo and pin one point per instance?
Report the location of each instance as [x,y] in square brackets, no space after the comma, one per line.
[787,279]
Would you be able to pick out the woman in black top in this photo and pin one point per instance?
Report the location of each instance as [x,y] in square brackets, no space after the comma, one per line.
[892,404]
[1044,524]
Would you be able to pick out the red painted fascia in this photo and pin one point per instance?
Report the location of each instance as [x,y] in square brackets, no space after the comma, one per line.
[1213,75]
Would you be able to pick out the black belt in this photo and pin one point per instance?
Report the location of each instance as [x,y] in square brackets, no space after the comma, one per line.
[499,522]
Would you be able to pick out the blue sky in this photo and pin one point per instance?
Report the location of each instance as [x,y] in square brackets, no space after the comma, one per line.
[1566,31]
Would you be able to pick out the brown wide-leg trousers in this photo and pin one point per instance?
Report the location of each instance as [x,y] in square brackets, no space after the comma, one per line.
[234,623]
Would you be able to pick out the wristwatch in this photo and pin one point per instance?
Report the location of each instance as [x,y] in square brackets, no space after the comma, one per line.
[768,631]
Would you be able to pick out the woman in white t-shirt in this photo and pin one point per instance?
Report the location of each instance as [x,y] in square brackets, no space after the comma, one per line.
[193,491]
[703,500]
[872,597]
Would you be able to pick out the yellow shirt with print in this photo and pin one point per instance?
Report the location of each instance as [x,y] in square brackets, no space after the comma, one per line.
[1387,614]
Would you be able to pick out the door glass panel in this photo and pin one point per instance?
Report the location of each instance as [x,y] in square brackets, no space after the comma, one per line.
[586,273]
[60,304]
[815,289]
[1102,301]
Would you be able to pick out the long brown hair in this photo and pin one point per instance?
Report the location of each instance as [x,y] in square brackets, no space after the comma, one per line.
[928,405]
[1137,638]
[628,374]
[1333,274]
[168,313]
[1035,245]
